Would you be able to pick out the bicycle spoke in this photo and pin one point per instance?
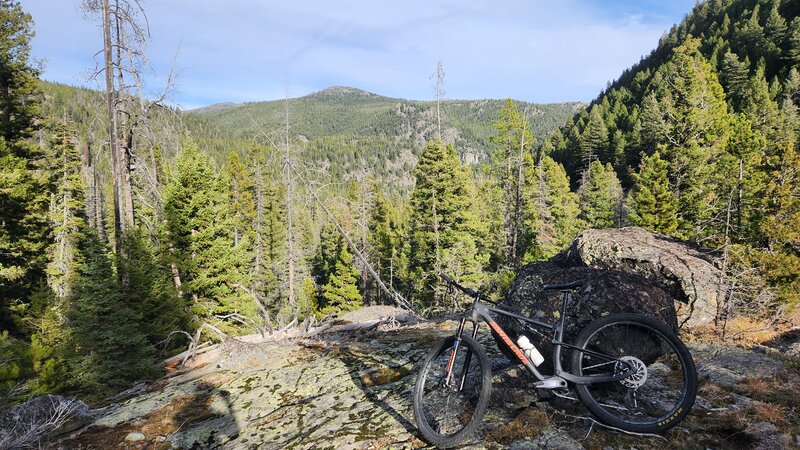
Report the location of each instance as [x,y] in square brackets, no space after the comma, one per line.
[444,405]
[654,388]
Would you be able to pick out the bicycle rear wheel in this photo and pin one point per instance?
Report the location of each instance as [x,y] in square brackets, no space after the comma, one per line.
[447,412]
[661,387]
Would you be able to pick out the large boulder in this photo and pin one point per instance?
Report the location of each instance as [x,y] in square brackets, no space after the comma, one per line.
[686,272]
[603,292]
[625,270]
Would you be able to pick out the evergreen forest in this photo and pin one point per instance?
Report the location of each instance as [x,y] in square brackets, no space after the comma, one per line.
[130,228]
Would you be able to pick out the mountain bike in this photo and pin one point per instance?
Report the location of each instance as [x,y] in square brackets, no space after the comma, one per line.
[630,372]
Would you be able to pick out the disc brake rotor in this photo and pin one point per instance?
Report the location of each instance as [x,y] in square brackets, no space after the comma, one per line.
[638,370]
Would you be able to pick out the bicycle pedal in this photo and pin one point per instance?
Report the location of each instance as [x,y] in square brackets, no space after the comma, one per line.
[551,383]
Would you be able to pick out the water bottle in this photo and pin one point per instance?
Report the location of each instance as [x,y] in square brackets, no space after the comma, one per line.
[530,351]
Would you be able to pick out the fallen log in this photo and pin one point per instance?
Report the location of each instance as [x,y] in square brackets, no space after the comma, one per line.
[285,334]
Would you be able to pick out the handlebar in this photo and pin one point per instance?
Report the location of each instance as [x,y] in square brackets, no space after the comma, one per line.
[464,289]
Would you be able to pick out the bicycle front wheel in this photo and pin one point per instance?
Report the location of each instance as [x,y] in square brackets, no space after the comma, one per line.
[662,384]
[452,391]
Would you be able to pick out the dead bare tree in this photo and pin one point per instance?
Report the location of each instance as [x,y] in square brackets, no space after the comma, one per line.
[125,36]
[28,425]
[290,256]
[438,88]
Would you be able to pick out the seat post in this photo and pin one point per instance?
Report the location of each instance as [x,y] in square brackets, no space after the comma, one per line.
[565,300]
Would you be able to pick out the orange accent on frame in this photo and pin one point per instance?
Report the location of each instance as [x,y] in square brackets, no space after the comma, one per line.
[521,356]
[452,356]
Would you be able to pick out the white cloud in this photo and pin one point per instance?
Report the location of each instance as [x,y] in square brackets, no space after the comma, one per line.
[245,50]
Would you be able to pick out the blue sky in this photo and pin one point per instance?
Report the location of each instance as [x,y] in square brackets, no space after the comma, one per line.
[251,50]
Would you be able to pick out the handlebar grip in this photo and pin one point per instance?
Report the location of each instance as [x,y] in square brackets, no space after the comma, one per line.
[448,279]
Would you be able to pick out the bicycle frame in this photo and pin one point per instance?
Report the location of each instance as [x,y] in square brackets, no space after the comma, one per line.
[480,312]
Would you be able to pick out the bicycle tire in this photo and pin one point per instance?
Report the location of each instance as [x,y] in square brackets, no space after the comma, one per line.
[426,374]
[658,365]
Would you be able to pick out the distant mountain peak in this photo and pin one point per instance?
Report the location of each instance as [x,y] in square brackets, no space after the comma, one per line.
[341,91]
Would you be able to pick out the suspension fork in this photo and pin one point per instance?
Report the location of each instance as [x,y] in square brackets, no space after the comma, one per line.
[454,351]
[468,359]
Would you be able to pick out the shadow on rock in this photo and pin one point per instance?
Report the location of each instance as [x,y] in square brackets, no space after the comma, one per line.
[204,417]
[201,418]
[386,386]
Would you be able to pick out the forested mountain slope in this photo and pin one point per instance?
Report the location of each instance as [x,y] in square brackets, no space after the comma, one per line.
[752,48]
[342,124]
[704,133]
[341,129]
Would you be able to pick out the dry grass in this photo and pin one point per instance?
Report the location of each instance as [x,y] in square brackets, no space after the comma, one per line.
[770,412]
[757,387]
[747,331]
[743,331]
[528,423]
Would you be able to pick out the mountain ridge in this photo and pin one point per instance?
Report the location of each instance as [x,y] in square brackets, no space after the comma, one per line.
[338,91]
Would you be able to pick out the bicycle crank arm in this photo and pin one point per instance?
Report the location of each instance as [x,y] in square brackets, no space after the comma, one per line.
[551,383]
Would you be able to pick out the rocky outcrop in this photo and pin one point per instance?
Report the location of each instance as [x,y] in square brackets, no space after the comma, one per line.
[353,390]
[686,272]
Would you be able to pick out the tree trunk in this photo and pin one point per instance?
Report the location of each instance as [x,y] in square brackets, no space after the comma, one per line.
[116,172]
[289,195]
[126,149]
[86,174]
[518,201]
[259,217]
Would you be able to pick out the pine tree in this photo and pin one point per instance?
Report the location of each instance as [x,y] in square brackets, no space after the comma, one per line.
[594,140]
[340,293]
[558,208]
[793,41]
[653,128]
[511,160]
[110,347]
[651,204]
[443,227]
[750,36]
[242,207]
[734,76]
[49,305]
[386,231]
[149,292]
[601,197]
[324,261]
[269,226]
[19,91]
[697,127]
[740,182]
[24,194]
[775,28]
[52,342]
[15,356]
[67,212]
[758,105]
[307,305]
[201,234]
